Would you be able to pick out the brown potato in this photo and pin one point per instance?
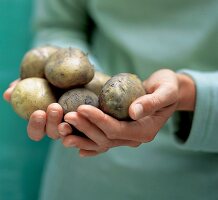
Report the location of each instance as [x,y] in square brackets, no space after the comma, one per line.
[34,61]
[118,94]
[97,83]
[73,98]
[69,68]
[31,94]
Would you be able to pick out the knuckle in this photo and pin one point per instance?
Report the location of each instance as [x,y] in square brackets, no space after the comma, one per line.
[52,134]
[35,124]
[103,117]
[118,131]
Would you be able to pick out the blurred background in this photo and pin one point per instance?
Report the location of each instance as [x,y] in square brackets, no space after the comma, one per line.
[21,160]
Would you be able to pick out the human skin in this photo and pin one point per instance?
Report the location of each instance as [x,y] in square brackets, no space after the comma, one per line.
[167,92]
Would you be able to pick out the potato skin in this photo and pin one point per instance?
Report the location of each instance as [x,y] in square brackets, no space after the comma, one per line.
[34,61]
[118,93]
[97,83]
[31,94]
[68,68]
[73,98]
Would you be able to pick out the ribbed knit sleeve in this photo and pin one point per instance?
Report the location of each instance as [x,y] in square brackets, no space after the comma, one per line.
[203,135]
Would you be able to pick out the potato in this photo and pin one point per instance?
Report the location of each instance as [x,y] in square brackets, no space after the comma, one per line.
[73,98]
[69,68]
[31,94]
[34,61]
[118,94]
[96,84]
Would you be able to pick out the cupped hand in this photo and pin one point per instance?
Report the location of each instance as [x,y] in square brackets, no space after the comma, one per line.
[41,122]
[166,93]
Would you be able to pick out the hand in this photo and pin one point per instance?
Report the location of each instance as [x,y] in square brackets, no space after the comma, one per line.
[166,93]
[41,122]
[7,93]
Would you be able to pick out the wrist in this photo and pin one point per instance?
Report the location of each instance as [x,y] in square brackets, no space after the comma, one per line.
[187,93]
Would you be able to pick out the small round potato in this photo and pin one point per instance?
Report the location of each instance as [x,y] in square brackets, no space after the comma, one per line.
[31,94]
[118,93]
[97,83]
[34,61]
[73,98]
[69,68]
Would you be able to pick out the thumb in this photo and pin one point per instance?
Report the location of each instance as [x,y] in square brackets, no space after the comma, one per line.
[7,94]
[8,91]
[150,103]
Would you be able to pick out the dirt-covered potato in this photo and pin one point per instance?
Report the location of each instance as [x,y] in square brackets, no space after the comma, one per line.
[96,84]
[69,68]
[31,94]
[118,93]
[73,98]
[34,61]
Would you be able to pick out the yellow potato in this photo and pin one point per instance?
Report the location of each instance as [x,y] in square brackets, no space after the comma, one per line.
[34,61]
[97,82]
[31,94]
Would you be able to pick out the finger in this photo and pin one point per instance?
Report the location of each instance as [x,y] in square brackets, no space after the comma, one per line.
[88,153]
[79,142]
[36,125]
[129,143]
[89,129]
[54,118]
[150,103]
[94,134]
[8,92]
[14,83]
[64,129]
[85,153]
[113,128]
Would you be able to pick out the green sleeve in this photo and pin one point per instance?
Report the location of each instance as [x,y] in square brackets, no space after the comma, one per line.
[203,134]
[64,23]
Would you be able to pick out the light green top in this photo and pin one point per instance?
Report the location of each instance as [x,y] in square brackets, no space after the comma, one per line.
[140,36]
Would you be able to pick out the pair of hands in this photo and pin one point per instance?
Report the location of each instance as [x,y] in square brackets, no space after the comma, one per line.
[166,93]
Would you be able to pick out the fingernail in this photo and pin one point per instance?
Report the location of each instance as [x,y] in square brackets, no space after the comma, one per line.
[138,110]
[53,113]
[70,144]
[39,120]
[82,155]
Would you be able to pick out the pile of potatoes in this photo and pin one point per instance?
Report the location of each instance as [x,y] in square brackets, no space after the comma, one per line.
[51,74]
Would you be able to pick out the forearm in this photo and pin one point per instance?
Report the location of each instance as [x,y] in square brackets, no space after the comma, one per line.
[187,93]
